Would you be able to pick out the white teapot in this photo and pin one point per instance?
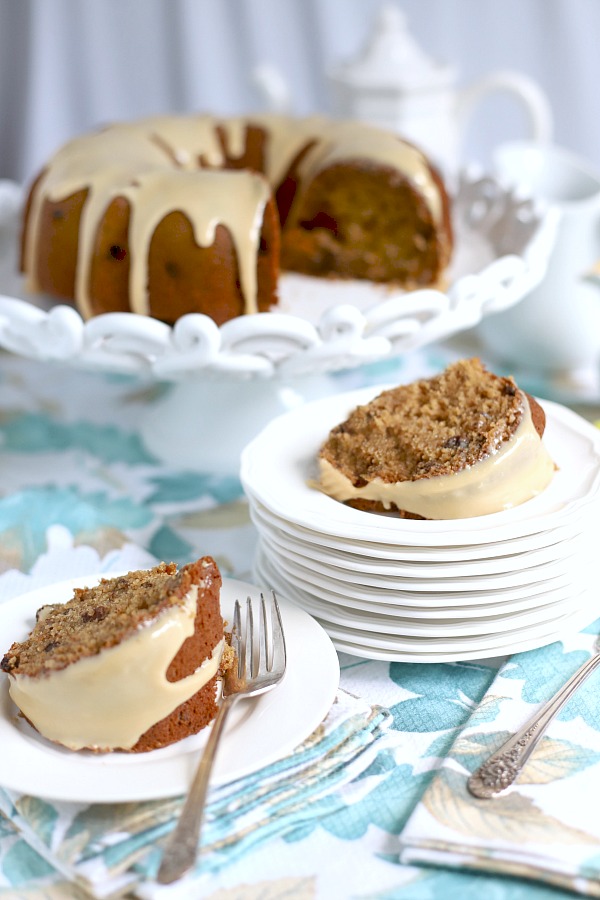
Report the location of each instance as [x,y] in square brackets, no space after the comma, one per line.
[392,83]
[556,327]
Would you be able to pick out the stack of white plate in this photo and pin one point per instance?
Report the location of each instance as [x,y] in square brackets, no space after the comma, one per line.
[417,591]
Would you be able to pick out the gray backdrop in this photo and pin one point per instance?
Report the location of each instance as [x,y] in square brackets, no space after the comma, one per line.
[68,65]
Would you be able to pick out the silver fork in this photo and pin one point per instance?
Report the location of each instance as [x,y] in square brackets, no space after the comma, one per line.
[504,766]
[261,660]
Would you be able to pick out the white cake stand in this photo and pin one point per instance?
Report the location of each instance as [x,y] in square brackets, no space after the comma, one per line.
[228,382]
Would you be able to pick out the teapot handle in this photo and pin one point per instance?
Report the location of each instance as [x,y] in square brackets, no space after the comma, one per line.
[531,95]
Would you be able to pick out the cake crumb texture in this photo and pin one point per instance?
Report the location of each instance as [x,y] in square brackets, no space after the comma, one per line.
[100,617]
[435,426]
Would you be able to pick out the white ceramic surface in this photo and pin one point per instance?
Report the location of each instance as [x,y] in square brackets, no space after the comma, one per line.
[557,325]
[393,83]
[308,571]
[350,604]
[313,539]
[358,641]
[395,653]
[267,727]
[475,597]
[582,613]
[502,623]
[332,562]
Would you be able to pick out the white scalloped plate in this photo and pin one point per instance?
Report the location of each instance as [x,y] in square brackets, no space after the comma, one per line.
[537,595]
[278,466]
[502,247]
[333,562]
[580,615]
[473,597]
[395,652]
[313,540]
[576,608]
[310,573]
[397,624]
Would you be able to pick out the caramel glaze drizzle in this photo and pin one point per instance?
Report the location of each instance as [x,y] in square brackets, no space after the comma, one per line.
[178,162]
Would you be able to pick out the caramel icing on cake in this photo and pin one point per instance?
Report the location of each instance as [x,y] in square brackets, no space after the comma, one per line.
[165,163]
[516,472]
[463,443]
[108,700]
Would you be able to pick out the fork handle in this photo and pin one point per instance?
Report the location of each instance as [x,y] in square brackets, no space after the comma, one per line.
[182,848]
[502,768]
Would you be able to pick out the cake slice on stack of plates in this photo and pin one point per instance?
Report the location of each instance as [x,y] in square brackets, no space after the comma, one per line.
[422,589]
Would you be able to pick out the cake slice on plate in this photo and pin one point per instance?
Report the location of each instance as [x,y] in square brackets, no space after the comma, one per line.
[463,443]
[130,664]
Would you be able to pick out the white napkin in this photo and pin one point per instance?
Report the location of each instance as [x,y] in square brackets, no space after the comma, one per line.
[545,827]
[108,848]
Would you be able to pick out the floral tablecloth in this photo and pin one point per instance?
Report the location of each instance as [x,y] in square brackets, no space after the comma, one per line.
[79,493]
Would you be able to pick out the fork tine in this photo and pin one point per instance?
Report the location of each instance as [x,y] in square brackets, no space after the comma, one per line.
[236,637]
[250,660]
[263,635]
[259,651]
[278,659]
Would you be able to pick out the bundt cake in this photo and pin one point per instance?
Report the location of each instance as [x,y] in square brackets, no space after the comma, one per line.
[463,443]
[130,664]
[177,214]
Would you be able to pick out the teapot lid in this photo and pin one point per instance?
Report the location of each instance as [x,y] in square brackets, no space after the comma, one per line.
[392,58]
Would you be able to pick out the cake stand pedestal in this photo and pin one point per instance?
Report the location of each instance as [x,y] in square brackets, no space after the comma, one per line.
[204,424]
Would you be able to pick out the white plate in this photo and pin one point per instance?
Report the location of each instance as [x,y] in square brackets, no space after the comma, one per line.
[394,620]
[309,572]
[423,600]
[480,643]
[398,625]
[330,562]
[266,727]
[502,246]
[521,603]
[426,606]
[578,621]
[263,518]
[278,466]
[358,642]
[430,604]
[395,623]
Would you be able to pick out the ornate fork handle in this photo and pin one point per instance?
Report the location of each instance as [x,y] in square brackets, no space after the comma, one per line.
[260,666]
[503,767]
[184,840]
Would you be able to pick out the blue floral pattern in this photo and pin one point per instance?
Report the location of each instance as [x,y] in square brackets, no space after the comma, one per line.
[81,464]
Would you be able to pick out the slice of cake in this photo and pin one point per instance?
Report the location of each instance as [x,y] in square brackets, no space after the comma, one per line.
[463,443]
[131,664]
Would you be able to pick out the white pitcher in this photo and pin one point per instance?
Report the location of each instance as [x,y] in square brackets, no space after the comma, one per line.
[392,83]
[557,326]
